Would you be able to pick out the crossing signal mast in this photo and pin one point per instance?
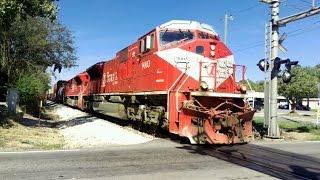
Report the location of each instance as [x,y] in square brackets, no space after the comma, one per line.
[274,62]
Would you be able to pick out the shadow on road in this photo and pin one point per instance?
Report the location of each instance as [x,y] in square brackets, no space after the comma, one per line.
[273,162]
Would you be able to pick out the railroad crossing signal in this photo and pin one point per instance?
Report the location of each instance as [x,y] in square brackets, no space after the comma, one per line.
[275,45]
[285,74]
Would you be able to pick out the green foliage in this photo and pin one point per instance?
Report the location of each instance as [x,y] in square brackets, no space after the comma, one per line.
[317,72]
[258,86]
[32,88]
[302,85]
[36,44]
[31,41]
[11,10]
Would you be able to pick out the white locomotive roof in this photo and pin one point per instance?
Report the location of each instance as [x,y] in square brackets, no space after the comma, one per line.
[185,24]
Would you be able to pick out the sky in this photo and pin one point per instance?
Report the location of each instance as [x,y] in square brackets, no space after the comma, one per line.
[103,27]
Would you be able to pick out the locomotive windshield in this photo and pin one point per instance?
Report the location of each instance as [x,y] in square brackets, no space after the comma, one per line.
[169,36]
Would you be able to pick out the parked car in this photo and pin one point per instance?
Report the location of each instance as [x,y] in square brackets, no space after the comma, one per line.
[302,107]
[284,106]
[258,105]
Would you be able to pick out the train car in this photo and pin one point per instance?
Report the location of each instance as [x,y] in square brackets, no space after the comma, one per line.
[59,91]
[179,76]
[77,91]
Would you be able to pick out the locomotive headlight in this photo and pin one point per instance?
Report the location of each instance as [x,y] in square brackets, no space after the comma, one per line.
[212,47]
[212,53]
[204,86]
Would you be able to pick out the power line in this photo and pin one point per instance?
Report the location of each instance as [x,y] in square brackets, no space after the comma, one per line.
[293,33]
[247,9]
[305,31]
[295,7]
[307,2]
[250,47]
[235,13]
[247,44]
[305,28]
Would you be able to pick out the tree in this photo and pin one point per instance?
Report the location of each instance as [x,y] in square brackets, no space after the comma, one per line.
[11,10]
[257,86]
[31,40]
[317,71]
[302,85]
[35,45]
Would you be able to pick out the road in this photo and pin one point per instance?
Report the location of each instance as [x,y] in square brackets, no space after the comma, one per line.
[163,159]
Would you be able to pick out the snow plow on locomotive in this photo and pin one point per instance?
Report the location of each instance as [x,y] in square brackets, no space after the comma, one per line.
[180,77]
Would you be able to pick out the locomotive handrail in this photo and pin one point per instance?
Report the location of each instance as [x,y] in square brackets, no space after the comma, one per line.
[171,87]
[213,72]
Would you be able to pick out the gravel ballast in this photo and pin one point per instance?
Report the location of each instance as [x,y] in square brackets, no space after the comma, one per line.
[83,130]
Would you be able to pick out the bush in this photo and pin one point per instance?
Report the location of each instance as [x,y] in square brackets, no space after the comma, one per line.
[32,88]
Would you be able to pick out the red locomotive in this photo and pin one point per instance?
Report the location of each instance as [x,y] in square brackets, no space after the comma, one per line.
[179,76]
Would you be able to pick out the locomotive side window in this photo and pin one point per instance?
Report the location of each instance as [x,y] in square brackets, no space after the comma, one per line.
[147,43]
[175,36]
[152,41]
[142,45]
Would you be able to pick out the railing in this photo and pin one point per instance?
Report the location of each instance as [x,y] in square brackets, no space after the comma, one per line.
[211,72]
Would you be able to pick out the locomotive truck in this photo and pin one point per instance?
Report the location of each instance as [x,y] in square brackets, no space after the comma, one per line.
[179,76]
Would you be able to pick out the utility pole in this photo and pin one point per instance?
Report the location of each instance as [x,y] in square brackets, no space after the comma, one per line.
[226,19]
[276,23]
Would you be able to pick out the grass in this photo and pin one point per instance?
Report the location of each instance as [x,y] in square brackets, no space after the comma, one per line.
[16,137]
[293,130]
[19,137]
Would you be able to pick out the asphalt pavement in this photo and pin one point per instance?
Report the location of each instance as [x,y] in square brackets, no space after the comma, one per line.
[164,159]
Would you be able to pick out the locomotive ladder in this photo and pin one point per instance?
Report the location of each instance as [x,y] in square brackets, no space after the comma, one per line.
[176,83]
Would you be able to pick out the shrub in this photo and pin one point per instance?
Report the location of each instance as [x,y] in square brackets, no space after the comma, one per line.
[32,88]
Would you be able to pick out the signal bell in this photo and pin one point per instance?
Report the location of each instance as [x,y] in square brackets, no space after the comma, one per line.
[263,65]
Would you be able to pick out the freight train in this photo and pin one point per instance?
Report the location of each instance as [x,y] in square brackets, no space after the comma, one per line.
[179,76]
